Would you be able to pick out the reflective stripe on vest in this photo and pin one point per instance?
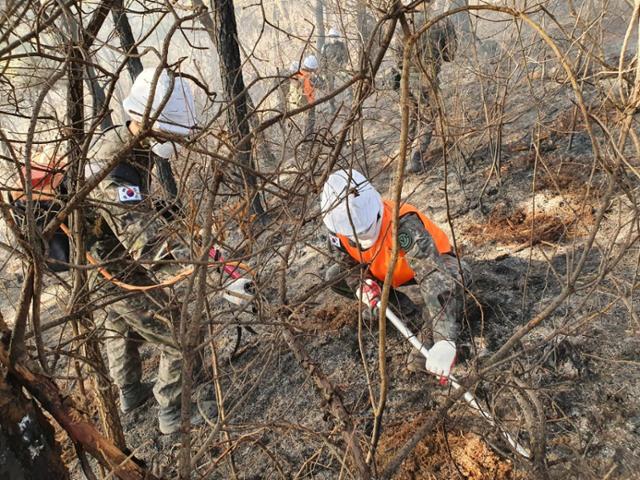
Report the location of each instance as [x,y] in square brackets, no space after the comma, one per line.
[379,255]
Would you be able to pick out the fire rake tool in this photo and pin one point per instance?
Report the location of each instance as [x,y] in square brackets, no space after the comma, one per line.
[446,352]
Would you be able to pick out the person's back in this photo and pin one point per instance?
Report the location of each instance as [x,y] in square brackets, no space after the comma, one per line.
[334,55]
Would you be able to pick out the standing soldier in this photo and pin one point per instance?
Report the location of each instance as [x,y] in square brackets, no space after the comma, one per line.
[435,46]
[302,91]
[128,230]
[282,84]
[359,221]
[334,61]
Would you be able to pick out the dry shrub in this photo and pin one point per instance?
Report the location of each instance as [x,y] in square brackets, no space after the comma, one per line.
[517,227]
[456,455]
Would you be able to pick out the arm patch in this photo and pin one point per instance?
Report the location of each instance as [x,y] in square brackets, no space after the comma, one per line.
[405,240]
[414,238]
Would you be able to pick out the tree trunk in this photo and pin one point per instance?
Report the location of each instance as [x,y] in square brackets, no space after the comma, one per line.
[72,420]
[28,449]
[320,25]
[462,20]
[99,98]
[128,43]
[224,19]
[75,117]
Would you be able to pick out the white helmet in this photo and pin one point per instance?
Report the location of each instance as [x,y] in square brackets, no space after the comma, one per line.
[334,32]
[177,116]
[351,205]
[310,63]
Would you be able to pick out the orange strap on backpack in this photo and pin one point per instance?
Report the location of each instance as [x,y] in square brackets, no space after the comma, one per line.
[145,288]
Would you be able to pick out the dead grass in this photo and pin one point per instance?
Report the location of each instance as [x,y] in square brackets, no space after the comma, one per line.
[330,318]
[440,456]
[507,226]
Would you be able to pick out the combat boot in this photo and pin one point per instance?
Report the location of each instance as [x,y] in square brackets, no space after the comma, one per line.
[134,395]
[169,419]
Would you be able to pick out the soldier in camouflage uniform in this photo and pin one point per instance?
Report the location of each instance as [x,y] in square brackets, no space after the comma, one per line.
[334,61]
[127,230]
[302,92]
[361,242]
[437,45]
[281,85]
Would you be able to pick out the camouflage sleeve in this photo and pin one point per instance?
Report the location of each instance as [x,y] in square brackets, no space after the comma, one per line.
[337,253]
[420,249]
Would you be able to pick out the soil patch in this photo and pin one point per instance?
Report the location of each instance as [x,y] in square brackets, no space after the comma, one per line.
[445,455]
[331,318]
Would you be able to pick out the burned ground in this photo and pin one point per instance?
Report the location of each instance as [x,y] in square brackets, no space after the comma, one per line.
[519,186]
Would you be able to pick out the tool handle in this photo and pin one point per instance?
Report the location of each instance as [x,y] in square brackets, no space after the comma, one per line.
[468,396]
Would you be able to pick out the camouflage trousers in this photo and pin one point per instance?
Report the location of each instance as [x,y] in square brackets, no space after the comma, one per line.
[123,233]
[421,126]
[126,328]
[331,77]
[444,298]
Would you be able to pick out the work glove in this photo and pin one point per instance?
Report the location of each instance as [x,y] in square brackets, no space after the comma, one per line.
[240,291]
[369,293]
[442,357]
[164,150]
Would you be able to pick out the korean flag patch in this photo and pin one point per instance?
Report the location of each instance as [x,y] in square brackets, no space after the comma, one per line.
[335,241]
[129,193]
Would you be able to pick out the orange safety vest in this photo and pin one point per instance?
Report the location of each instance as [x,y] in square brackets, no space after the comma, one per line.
[379,255]
[307,85]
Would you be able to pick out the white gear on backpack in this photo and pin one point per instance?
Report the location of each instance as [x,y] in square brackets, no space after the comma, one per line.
[177,115]
[239,291]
